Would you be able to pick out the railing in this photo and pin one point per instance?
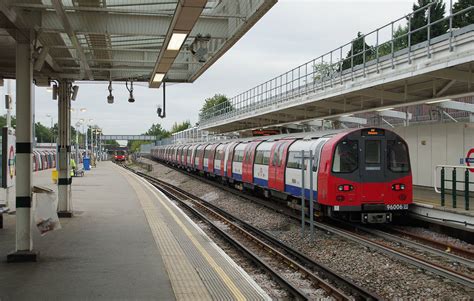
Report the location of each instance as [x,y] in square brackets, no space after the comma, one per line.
[454,182]
[333,68]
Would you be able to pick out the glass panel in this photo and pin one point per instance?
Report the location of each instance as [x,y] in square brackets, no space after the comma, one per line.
[266,157]
[398,159]
[293,162]
[372,151]
[346,157]
[259,157]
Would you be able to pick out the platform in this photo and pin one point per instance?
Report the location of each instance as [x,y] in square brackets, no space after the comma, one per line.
[125,241]
[427,206]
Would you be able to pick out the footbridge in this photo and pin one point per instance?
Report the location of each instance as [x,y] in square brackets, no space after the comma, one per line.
[357,78]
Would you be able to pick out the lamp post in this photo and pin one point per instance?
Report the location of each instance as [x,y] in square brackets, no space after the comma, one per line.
[52,133]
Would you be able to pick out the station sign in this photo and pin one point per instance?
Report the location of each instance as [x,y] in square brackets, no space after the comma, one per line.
[8,158]
[470,159]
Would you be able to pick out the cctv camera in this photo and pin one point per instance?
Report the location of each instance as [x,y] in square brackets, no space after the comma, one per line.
[131,99]
[110,99]
[75,89]
[158,111]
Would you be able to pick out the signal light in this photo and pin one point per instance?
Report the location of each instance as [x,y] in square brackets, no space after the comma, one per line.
[345,187]
[398,187]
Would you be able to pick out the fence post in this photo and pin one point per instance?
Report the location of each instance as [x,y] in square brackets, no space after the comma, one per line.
[442,187]
[466,189]
[454,187]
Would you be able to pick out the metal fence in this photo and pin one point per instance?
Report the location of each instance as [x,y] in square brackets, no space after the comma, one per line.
[335,68]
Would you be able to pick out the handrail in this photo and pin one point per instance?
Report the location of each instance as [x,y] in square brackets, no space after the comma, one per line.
[448,166]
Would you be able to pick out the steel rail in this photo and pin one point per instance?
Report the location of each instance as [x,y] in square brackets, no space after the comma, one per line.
[301,263]
[358,292]
[321,283]
[439,270]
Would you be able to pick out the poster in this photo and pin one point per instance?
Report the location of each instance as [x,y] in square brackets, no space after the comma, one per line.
[8,159]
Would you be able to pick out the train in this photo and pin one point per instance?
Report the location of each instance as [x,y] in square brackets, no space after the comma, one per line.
[47,158]
[363,175]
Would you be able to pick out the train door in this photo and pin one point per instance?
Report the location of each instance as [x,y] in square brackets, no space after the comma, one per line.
[276,169]
[372,158]
[249,157]
[229,159]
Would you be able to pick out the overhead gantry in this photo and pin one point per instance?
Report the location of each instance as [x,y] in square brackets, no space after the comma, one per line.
[61,42]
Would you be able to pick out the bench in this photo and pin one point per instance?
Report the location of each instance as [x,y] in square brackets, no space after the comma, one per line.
[2,211]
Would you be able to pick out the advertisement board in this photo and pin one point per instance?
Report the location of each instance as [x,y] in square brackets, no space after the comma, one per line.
[8,158]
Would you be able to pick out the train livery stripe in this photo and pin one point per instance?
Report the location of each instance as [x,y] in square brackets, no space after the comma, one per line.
[296,191]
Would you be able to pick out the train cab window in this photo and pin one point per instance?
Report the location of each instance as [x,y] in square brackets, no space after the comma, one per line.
[372,152]
[398,159]
[346,157]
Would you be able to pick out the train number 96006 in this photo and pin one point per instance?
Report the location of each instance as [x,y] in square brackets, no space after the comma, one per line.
[397,207]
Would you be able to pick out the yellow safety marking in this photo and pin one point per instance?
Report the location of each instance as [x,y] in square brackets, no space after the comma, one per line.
[185,280]
[228,282]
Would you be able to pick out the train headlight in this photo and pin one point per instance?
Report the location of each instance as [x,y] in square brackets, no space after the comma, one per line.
[398,187]
[345,187]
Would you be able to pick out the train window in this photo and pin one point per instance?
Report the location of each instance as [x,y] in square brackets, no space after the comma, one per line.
[276,157]
[206,154]
[281,150]
[294,160]
[266,157]
[238,155]
[346,157]
[372,151]
[259,157]
[398,159]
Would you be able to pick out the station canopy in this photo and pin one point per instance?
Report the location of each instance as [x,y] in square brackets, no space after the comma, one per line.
[140,40]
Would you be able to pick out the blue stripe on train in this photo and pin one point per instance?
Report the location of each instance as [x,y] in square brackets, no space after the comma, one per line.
[260,182]
[296,191]
[237,176]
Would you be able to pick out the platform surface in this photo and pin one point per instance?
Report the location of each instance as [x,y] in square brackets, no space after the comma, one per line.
[428,196]
[126,241]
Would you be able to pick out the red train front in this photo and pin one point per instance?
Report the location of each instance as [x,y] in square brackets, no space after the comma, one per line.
[365,174]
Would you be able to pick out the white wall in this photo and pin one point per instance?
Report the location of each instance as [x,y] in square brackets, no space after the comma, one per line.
[435,144]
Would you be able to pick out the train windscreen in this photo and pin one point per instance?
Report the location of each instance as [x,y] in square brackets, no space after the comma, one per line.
[398,159]
[346,157]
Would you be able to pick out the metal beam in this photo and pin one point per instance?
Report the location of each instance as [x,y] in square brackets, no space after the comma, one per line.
[455,105]
[351,119]
[394,114]
[382,94]
[58,6]
[453,74]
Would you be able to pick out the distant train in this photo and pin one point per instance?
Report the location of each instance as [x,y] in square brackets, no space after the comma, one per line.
[361,175]
[47,158]
[120,155]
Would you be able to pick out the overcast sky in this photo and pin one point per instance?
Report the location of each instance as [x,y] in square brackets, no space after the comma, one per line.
[291,33]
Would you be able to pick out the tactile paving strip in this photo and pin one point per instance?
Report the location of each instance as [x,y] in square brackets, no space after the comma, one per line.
[180,240]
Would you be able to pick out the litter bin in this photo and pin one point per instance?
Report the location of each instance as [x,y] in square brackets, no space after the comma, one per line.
[87,163]
[54,176]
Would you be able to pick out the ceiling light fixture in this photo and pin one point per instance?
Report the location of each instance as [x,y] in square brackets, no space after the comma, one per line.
[386,109]
[176,41]
[158,77]
[437,101]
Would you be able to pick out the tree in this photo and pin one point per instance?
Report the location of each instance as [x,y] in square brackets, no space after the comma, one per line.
[178,127]
[158,131]
[216,105]
[134,146]
[466,18]
[43,134]
[3,121]
[357,51]
[400,41]
[111,143]
[420,19]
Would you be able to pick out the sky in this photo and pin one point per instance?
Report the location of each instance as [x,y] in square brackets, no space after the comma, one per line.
[291,33]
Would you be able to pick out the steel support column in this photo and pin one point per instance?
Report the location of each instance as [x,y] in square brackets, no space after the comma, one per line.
[64,150]
[24,139]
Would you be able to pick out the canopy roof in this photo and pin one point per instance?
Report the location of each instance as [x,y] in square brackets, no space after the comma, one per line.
[124,39]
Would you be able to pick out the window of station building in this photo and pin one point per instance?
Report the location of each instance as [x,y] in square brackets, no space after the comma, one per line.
[398,158]
[372,152]
[346,157]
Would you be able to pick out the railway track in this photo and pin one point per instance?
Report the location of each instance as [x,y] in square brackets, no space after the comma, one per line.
[448,273]
[264,250]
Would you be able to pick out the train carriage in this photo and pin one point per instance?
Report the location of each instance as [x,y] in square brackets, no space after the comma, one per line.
[361,174]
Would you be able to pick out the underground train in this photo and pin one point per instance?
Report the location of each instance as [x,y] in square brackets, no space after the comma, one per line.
[362,175]
[46,159]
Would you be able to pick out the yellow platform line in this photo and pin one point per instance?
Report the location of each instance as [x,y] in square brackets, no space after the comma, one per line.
[225,278]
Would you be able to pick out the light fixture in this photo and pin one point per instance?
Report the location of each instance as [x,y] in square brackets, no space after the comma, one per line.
[176,41]
[347,115]
[386,109]
[437,101]
[83,110]
[75,89]
[158,77]
[49,89]
[110,98]
[72,109]
[130,90]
